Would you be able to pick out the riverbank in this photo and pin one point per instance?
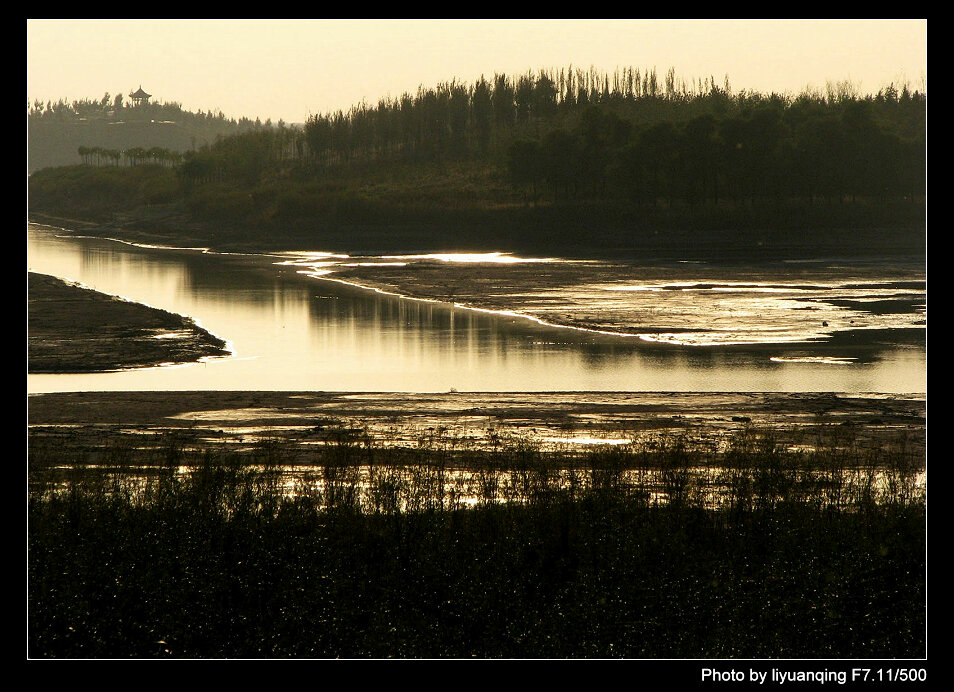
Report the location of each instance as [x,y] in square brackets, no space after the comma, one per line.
[76,329]
[449,548]
[577,231]
[337,525]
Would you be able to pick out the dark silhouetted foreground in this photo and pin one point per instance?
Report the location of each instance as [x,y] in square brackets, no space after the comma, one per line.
[656,550]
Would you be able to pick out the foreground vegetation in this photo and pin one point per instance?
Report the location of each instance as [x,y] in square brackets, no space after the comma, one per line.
[537,159]
[652,550]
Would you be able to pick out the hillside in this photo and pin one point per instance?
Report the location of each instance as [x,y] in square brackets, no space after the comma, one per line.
[575,161]
[107,129]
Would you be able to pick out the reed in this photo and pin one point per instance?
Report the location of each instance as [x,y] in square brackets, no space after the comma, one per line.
[655,549]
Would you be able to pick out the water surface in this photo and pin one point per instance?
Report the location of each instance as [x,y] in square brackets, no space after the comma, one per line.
[294,321]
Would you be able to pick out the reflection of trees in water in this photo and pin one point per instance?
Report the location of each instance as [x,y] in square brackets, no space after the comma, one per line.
[462,345]
[439,324]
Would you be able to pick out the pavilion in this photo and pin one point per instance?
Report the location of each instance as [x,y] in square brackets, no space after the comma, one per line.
[140,97]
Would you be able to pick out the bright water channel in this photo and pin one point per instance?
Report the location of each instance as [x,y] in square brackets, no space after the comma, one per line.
[291,329]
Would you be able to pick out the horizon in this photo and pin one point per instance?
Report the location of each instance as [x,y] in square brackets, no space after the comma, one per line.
[315,67]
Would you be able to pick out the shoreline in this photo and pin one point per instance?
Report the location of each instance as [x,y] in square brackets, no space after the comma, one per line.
[171,224]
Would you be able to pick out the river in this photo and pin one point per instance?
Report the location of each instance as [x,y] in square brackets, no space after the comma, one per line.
[293,323]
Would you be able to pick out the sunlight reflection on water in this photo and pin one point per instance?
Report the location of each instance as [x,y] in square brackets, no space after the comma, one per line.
[694,311]
[484,324]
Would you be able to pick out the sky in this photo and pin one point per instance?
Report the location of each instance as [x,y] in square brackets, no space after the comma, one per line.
[291,69]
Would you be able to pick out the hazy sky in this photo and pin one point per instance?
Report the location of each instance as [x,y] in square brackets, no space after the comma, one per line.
[289,69]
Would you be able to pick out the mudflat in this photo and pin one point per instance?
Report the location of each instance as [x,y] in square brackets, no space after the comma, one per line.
[144,422]
[76,329]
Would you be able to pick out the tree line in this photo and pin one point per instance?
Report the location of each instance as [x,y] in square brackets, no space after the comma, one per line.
[133,156]
[764,149]
[115,108]
[455,117]
[585,135]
